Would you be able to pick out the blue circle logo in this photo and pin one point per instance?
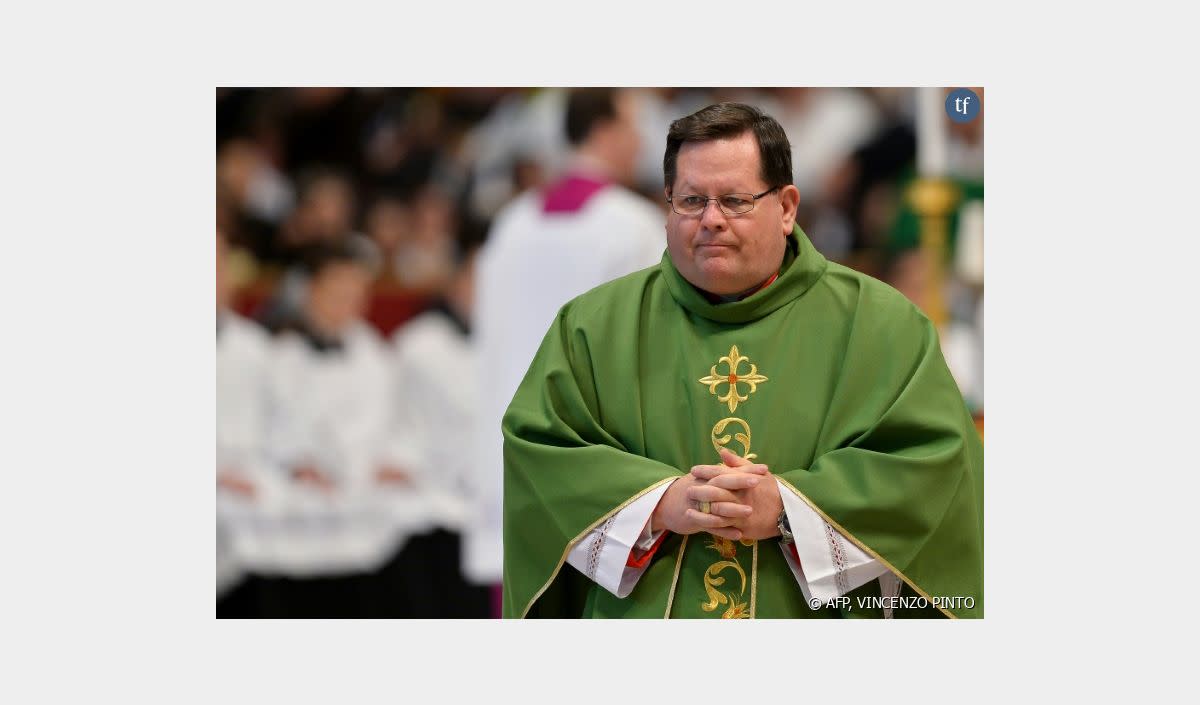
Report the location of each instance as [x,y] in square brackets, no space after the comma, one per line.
[962,105]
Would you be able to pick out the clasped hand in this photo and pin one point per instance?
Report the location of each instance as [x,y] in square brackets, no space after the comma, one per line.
[743,499]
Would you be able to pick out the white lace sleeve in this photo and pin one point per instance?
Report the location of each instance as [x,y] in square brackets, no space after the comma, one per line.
[603,553]
[830,565]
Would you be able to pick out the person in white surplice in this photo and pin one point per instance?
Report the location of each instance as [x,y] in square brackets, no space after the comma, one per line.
[330,435]
[243,475]
[545,248]
[436,401]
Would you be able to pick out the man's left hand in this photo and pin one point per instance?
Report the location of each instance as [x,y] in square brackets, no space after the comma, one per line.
[393,476]
[763,498]
[235,482]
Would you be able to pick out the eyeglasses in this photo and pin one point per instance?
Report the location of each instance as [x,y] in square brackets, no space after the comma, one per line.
[730,203]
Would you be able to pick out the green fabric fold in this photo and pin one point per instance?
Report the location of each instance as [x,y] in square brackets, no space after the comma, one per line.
[858,414]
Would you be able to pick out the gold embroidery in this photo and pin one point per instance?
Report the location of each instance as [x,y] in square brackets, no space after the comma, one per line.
[719,441]
[737,611]
[733,379]
[722,546]
[726,548]
[713,580]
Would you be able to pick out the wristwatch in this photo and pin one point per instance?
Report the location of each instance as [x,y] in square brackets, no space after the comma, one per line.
[785,529]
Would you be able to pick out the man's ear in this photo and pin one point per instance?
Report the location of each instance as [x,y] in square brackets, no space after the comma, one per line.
[789,197]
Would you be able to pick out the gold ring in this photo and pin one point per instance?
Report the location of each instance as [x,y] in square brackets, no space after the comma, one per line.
[706,507]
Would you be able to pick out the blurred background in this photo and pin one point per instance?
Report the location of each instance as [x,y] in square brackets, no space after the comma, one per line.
[348,224]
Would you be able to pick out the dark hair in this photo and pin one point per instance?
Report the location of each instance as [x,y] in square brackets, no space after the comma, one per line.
[585,108]
[726,120]
[351,249]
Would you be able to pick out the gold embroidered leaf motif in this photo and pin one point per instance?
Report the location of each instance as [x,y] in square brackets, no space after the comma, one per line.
[715,598]
[720,441]
[737,610]
[733,393]
[713,580]
[722,546]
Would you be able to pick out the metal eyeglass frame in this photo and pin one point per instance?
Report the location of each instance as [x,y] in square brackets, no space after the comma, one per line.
[753,201]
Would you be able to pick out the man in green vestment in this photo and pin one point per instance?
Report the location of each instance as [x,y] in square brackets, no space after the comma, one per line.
[744,430]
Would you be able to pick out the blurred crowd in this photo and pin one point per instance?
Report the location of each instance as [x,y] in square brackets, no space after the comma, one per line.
[348,227]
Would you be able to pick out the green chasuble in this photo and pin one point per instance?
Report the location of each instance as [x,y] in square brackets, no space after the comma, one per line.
[832,379]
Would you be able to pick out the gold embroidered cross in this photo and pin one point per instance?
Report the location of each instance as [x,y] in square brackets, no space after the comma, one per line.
[733,379]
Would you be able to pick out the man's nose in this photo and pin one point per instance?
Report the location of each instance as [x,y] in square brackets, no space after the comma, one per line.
[712,217]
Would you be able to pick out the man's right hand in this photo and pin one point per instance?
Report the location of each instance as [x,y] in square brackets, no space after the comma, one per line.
[314,478]
[236,483]
[393,476]
[764,498]
[677,512]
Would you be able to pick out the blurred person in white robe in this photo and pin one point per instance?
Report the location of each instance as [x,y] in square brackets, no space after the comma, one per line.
[243,357]
[436,402]
[545,248]
[330,434]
